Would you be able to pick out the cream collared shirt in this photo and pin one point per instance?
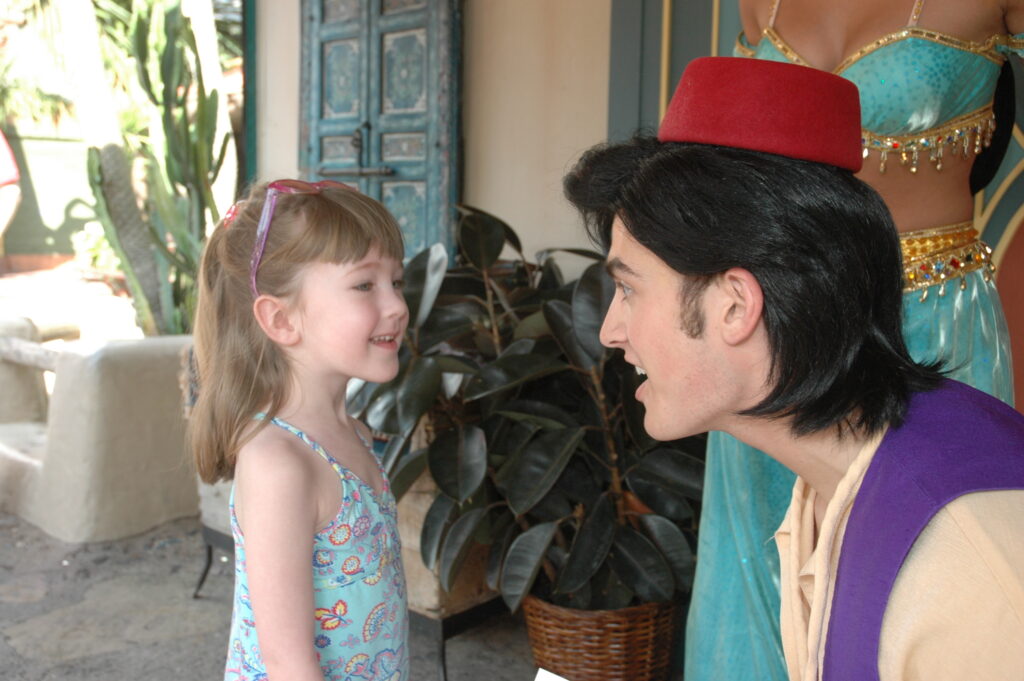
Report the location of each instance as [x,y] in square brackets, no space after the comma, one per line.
[956,611]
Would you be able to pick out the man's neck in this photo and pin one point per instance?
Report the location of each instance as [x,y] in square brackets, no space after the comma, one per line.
[821,459]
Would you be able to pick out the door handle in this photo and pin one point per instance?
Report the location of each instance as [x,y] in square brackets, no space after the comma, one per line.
[360,170]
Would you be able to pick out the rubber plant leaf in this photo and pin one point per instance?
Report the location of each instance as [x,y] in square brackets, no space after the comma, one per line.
[607,592]
[457,543]
[558,315]
[590,300]
[510,234]
[523,562]
[675,469]
[640,566]
[407,470]
[509,371]
[542,414]
[382,414]
[505,530]
[535,469]
[423,277]
[481,238]
[418,390]
[443,324]
[590,547]
[435,525]
[663,499]
[458,461]
[672,543]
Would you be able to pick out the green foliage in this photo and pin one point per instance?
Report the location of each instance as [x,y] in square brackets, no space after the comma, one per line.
[181,157]
[536,441]
[93,251]
[22,93]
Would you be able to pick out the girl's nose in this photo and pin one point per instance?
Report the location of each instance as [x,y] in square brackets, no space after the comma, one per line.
[396,305]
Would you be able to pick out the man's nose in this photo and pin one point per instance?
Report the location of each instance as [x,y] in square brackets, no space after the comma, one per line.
[611,335]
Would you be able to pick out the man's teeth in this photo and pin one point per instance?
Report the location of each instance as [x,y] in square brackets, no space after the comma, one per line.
[640,372]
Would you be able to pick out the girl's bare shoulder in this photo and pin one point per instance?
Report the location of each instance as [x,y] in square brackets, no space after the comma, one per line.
[276,456]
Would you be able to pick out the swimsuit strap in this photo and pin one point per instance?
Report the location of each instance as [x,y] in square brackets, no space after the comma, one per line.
[313,444]
[915,13]
[774,13]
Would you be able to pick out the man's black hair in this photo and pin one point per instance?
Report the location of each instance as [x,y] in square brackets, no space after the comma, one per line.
[820,242]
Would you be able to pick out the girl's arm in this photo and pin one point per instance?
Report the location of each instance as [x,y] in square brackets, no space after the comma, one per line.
[277,512]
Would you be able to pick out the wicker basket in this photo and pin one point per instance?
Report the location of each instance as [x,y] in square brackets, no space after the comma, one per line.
[633,644]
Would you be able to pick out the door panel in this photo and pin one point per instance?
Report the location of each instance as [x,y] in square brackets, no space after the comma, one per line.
[381,84]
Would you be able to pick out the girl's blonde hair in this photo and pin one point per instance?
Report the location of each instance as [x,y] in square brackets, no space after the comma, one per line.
[240,370]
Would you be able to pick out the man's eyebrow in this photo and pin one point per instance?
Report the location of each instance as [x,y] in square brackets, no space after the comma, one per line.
[615,266]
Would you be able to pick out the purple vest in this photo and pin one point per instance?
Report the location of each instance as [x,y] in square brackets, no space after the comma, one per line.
[955,440]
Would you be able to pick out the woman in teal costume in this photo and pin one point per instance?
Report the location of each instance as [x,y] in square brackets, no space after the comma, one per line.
[927,84]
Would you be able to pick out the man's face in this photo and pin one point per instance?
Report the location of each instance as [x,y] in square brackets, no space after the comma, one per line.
[682,394]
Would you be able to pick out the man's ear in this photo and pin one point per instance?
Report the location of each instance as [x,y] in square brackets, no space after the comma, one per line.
[274,317]
[744,305]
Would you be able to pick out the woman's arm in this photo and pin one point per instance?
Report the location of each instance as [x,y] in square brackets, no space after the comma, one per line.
[754,18]
[277,512]
[1014,16]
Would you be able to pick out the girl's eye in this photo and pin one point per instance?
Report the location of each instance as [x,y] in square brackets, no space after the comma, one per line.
[365,286]
[399,284]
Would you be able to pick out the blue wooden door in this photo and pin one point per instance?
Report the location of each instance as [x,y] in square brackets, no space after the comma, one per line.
[380,93]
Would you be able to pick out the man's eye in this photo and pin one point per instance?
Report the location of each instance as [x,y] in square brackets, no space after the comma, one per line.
[399,284]
[626,290]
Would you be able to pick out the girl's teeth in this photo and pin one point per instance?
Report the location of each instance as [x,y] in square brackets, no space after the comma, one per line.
[640,371]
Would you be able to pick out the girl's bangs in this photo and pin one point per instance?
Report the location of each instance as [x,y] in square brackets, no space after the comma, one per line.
[342,226]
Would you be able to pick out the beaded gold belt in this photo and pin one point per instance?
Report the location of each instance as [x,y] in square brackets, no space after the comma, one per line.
[961,135]
[935,256]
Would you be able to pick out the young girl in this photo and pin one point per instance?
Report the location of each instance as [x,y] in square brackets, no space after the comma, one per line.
[300,290]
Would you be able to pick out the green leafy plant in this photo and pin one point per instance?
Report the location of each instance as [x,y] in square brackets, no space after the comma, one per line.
[535,441]
[157,226]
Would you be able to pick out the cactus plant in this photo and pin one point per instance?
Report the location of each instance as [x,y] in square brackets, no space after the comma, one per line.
[159,245]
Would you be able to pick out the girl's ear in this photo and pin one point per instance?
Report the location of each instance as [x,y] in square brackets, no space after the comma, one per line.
[274,317]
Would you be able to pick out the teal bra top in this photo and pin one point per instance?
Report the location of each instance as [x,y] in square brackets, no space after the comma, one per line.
[921,91]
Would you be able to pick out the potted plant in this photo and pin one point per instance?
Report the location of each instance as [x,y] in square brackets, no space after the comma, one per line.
[537,447]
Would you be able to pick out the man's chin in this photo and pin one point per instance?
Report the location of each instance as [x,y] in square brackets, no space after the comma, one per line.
[665,432]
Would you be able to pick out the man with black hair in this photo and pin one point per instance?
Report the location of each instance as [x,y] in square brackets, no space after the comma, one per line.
[759,288]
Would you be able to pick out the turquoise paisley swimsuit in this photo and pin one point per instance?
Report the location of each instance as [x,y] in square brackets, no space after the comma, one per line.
[927,95]
[361,626]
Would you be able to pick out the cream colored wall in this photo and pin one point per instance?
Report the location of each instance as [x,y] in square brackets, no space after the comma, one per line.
[278,74]
[535,96]
[535,93]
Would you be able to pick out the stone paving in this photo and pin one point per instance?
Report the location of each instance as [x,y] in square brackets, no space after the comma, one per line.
[109,611]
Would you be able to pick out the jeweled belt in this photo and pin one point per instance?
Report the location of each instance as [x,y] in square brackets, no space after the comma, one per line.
[969,133]
[936,256]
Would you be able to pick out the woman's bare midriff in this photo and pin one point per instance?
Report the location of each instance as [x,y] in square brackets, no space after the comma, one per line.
[926,199]
[824,32]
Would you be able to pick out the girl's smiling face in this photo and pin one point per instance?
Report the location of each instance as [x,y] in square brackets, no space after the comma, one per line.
[353,317]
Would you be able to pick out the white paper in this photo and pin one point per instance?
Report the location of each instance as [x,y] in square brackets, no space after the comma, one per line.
[545,675]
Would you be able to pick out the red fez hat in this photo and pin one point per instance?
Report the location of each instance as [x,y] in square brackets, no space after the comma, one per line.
[778,108]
